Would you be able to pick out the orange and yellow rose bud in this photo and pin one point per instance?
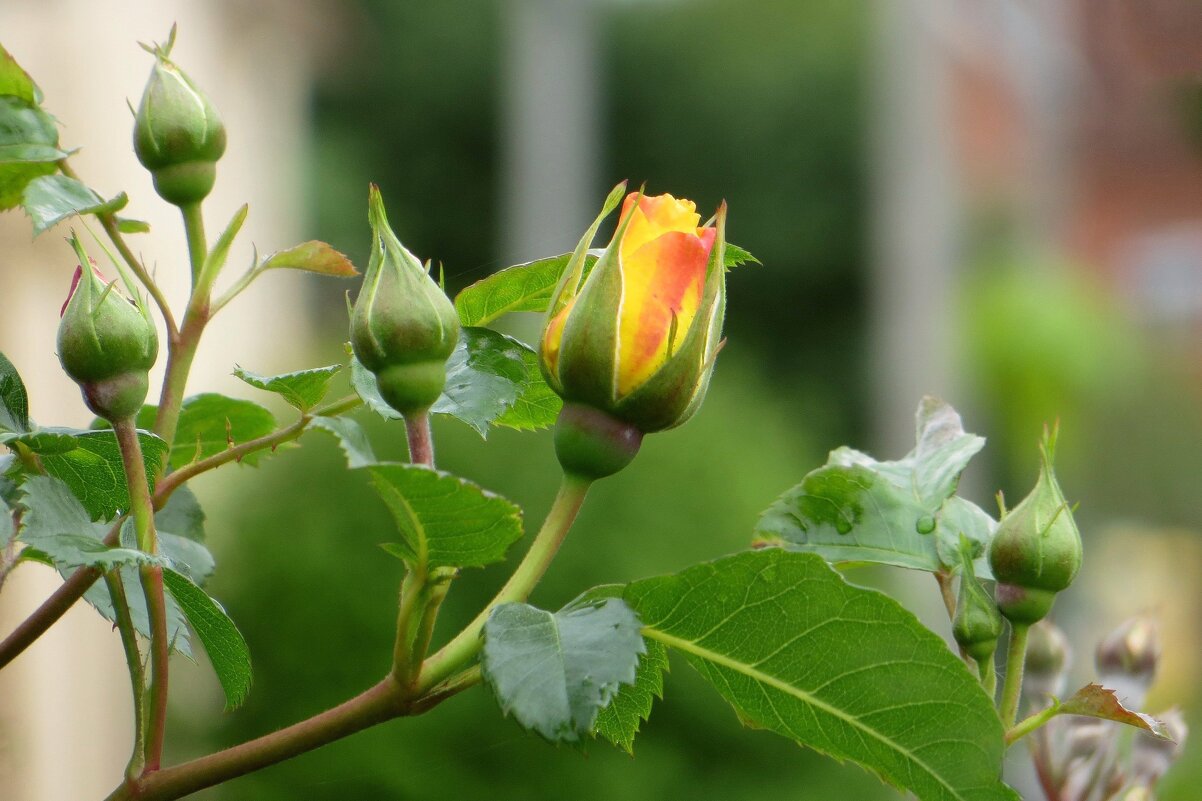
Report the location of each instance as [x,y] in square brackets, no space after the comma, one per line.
[632,345]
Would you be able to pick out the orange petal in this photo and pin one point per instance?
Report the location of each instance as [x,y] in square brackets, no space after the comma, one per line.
[661,281]
[552,337]
[653,217]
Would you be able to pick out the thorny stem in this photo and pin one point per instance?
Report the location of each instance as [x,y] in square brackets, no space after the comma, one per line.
[152,586]
[1012,689]
[555,528]
[133,662]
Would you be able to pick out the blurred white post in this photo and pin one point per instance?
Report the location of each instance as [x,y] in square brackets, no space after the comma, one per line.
[914,218]
[550,133]
[65,711]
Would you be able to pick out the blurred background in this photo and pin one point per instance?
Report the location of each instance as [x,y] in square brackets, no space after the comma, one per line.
[995,201]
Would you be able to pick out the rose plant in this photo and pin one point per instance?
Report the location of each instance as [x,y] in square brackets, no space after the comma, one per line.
[631,337]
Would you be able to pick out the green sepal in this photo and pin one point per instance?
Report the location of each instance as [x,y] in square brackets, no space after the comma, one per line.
[671,396]
[588,348]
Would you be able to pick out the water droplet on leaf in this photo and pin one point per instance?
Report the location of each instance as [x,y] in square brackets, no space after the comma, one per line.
[925,524]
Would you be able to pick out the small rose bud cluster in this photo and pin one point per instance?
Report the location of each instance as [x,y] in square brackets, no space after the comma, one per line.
[1091,759]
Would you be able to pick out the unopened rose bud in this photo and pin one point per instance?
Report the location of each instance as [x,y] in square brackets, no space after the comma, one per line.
[403,326]
[636,342]
[1036,552]
[107,344]
[1047,660]
[177,133]
[976,624]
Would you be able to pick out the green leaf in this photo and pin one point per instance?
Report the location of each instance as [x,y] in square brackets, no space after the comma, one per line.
[223,643]
[210,423]
[619,721]
[53,198]
[485,374]
[351,438]
[6,524]
[734,256]
[58,526]
[555,672]
[16,81]
[492,379]
[90,463]
[843,670]
[536,406]
[856,509]
[1096,701]
[128,226]
[364,383]
[522,288]
[28,147]
[182,515]
[14,401]
[446,521]
[303,389]
[312,256]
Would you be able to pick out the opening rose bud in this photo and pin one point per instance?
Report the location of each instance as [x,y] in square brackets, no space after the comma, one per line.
[106,343]
[636,340]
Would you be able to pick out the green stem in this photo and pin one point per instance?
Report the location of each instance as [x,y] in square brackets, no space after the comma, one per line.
[152,586]
[133,662]
[988,672]
[1012,689]
[1030,724]
[555,528]
[181,349]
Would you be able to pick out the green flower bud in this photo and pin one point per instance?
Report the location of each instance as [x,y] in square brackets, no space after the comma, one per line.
[1036,552]
[1047,659]
[592,444]
[107,344]
[403,326]
[977,623]
[177,133]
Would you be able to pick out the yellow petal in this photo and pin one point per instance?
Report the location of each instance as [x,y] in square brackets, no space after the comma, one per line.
[653,217]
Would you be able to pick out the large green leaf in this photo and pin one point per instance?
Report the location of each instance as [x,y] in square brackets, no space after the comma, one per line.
[28,147]
[856,509]
[485,375]
[537,405]
[14,401]
[210,423]
[90,463]
[446,521]
[53,198]
[620,719]
[182,515]
[843,670]
[555,672]
[303,389]
[223,642]
[58,527]
[521,288]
